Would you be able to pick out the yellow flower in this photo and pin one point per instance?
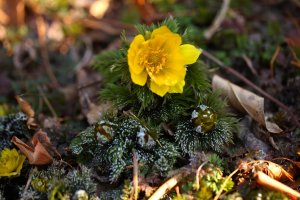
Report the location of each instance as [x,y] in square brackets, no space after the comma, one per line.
[11,162]
[161,61]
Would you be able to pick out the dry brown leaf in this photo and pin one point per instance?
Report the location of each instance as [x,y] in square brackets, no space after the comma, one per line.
[27,109]
[42,151]
[277,172]
[25,106]
[245,101]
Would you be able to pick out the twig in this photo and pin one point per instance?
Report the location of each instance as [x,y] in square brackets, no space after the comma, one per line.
[135,176]
[218,20]
[89,85]
[41,29]
[224,184]
[274,145]
[168,185]
[29,180]
[267,181]
[87,56]
[101,179]
[167,128]
[64,162]
[294,162]
[100,25]
[273,61]
[47,102]
[198,173]
[177,190]
[250,64]
[251,84]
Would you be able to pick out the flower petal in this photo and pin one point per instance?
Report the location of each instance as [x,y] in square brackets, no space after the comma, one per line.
[170,75]
[133,50]
[20,163]
[178,88]
[160,90]
[190,53]
[165,37]
[13,162]
[160,31]
[9,174]
[139,79]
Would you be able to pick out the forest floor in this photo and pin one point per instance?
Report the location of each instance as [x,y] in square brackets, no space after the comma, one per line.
[46,57]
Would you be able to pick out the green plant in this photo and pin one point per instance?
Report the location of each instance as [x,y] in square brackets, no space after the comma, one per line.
[159,128]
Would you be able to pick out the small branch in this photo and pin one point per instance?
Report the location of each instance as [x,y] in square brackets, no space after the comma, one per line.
[250,64]
[167,128]
[135,176]
[177,190]
[273,61]
[95,83]
[168,185]
[267,181]
[47,102]
[41,30]
[274,145]
[218,20]
[252,85]
[100,25]
[29,181]
[198,174]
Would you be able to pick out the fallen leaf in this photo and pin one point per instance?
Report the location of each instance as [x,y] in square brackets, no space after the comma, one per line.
[42,151]
[27,109]
[277,172]
[245,101]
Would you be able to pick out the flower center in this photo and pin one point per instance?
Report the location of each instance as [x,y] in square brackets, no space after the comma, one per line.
[154,60]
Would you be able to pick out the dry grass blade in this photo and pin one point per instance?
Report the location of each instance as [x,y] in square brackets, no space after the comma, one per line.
[135,176]
[218,20]
[168,185]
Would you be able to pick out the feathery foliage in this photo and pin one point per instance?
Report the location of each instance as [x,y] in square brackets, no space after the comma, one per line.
[55,182]
[159,129]
[13,125]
